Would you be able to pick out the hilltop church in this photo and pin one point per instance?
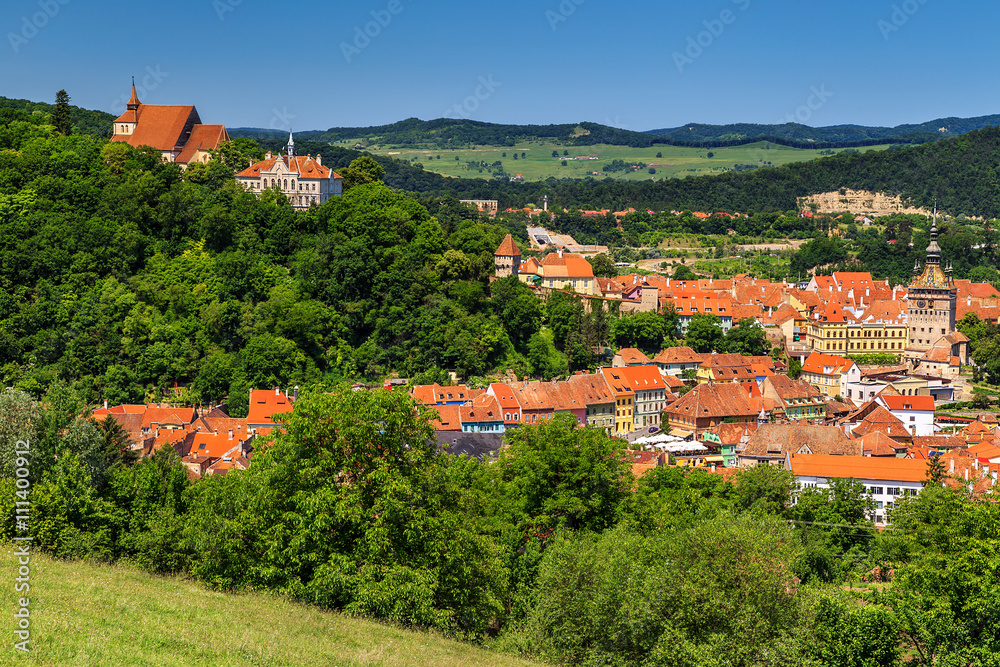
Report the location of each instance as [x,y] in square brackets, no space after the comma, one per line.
[175,130]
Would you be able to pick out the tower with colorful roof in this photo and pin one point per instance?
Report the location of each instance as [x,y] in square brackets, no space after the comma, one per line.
[932,301]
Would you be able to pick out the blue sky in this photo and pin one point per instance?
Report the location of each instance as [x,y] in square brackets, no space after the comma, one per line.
[637,65]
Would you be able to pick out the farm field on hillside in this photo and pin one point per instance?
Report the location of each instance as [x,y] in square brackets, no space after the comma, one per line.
[538,163]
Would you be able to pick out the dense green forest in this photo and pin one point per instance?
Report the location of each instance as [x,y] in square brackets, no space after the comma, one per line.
[85,121]
[553,551]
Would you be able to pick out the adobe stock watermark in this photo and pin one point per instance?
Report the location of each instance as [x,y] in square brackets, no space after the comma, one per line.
[281,119]
[363,36]
[714,28]
[484,91]
[22,544]
[802,114]
[150,82]
[901,13]
[223,7]
[562,13]
[37,21]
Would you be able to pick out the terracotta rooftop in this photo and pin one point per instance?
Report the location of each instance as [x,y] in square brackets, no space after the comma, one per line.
[776,440]
[508,248]
[859,467]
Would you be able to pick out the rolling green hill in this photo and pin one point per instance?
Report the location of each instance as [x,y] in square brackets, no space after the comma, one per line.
[85,121]
[446,133]
[933,130]
[89,614]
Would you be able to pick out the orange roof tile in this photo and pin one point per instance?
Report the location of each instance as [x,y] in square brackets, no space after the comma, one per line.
[160,126]
[508,248]
[203,138]
[859,467]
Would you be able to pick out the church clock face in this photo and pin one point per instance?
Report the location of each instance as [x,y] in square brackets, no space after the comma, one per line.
[921,304]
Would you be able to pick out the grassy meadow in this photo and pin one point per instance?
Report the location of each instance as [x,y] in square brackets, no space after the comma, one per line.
[90,614]
[538,163]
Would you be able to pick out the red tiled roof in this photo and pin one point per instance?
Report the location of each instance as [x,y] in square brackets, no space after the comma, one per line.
[631,355]
[449,418]
[507,247]
[160,126]
[203,137]
[267,402]
[925,403]
[859,467]
[817,362]
[305,166]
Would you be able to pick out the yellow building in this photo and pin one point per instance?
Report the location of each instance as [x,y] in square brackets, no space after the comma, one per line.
[561,270]
[833,330]
[624,400]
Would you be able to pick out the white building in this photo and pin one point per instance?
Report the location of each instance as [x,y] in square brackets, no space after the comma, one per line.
[885,479]
[304,180]
[916,412]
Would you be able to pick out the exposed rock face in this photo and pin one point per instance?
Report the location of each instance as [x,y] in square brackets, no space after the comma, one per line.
[859,202]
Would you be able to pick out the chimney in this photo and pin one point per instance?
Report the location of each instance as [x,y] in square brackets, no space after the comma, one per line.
[560,251]
[952,466]
[713,467]
[105,404]
[230,434]
[277,391]
[319,159]
[216,432]
[966,474]
[295,394]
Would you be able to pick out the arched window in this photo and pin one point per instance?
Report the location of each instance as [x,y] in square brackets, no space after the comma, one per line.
[285,186]
[293,184]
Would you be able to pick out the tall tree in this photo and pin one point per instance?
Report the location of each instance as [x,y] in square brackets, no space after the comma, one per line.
[60,114]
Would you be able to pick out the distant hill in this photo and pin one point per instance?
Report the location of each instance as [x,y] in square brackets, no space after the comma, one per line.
[451,133]
[843,134]
[85,121]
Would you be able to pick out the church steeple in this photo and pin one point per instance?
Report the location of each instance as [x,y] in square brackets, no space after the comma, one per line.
[291,144]
[933,249]
[133,102]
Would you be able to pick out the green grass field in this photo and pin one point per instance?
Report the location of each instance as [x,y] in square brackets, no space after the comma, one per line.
[87,614]
[538,163]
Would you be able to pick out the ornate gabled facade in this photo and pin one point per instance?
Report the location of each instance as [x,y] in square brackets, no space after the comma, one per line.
[932,302]
[175,130]
[304,180]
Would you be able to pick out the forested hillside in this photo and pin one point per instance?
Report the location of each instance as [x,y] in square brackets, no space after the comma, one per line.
[85,121]
[960,174]
[448,132]
[123,277]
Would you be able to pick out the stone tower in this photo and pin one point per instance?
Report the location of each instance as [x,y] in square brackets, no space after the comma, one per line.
[932,302]
[507,258]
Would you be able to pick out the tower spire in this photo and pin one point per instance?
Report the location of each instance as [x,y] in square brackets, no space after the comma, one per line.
[133,102]
[291,144]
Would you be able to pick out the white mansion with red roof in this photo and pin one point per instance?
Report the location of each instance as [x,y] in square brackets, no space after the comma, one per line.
[173,129]
[304,180]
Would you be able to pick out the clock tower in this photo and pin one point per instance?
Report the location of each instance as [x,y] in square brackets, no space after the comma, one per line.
[932,301]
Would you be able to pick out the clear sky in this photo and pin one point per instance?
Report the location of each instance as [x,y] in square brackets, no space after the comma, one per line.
[638,64]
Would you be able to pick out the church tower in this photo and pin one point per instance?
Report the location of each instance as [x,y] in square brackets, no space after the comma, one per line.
[932,301]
